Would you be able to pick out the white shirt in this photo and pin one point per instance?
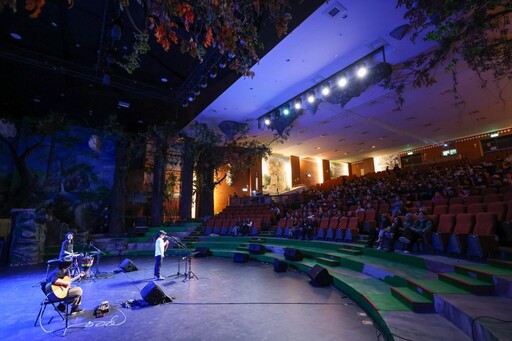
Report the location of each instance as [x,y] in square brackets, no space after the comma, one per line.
[159,247]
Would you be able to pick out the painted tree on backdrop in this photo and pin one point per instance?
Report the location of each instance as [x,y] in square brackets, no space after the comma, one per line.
[31,135]
[128,146]
[211,152]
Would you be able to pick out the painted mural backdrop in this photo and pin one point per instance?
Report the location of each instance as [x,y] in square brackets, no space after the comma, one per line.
[336,169]
[276,174]
[383,161]
[67,176]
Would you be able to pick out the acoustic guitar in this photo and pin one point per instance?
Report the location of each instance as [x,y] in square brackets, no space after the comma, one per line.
[58,292]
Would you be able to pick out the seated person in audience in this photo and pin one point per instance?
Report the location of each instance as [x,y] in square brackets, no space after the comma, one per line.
[374,232]
[396,207]
[389,235]
[294,230]
[247,227]
[238,227]
[437,197]
[312,224]
[419,229]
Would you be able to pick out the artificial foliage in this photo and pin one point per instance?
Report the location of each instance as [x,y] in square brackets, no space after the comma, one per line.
[475,32]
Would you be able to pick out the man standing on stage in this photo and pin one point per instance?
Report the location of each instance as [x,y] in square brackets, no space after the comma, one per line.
[160,248]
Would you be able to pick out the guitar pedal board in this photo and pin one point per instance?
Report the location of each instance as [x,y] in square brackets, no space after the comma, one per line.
[102,309]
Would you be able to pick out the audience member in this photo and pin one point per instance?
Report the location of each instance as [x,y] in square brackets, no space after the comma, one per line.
[420,229]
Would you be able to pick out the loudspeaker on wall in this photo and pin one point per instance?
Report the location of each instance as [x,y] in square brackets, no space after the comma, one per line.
[293,254]
[152,294]
[320,277]
[127,265]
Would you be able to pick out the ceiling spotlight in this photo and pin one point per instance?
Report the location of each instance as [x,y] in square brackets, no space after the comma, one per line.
[286,111]
[267,121]
[191,97]
[184,104]
[222,65]
[342,81]
[15,36]
[326,89]
[297,105]
[204,83]
[362,71]
[213,72]
[163,80]
[196,91]
[311,97]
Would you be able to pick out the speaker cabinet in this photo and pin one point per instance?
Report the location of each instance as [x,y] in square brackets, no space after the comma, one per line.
[127,266]
[152,294]
[293,254]
[240,257]
[320,277]
[256,249]
[280,266]
[202,252]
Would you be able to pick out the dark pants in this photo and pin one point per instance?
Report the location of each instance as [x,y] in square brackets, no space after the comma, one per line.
[158,265]
[413,236]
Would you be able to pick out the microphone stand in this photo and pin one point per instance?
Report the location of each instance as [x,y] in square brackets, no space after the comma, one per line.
[177,242]
[99,253]
[189,274]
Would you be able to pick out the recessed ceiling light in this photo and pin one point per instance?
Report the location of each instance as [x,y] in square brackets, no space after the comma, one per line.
[54,24]
[317,148]
[15,36]
[123,104]
[140,121]
[37,100]
[163,79]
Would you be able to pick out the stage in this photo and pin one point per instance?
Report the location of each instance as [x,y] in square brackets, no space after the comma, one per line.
[227,301]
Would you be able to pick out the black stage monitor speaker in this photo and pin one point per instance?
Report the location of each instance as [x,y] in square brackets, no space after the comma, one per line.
[280,266]
[320,277]
[152,294]
[202,251]
[241,257]
[127,265]
[293,254]
[256,249]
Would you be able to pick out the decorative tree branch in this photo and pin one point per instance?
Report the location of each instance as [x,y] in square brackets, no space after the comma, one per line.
[477,32]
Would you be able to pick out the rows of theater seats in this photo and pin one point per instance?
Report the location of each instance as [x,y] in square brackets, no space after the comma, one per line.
[223,223]
[471,234]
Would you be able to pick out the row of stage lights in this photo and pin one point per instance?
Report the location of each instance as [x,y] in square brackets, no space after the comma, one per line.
[341,80]
[218,62]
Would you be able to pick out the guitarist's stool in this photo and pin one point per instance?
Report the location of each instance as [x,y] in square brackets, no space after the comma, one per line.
[54,303]
[46,302]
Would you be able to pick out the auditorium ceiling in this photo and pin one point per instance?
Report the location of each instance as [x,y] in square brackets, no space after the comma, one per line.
[61,62]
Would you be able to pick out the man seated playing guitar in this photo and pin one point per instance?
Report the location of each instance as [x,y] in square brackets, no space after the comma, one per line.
[58,287]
